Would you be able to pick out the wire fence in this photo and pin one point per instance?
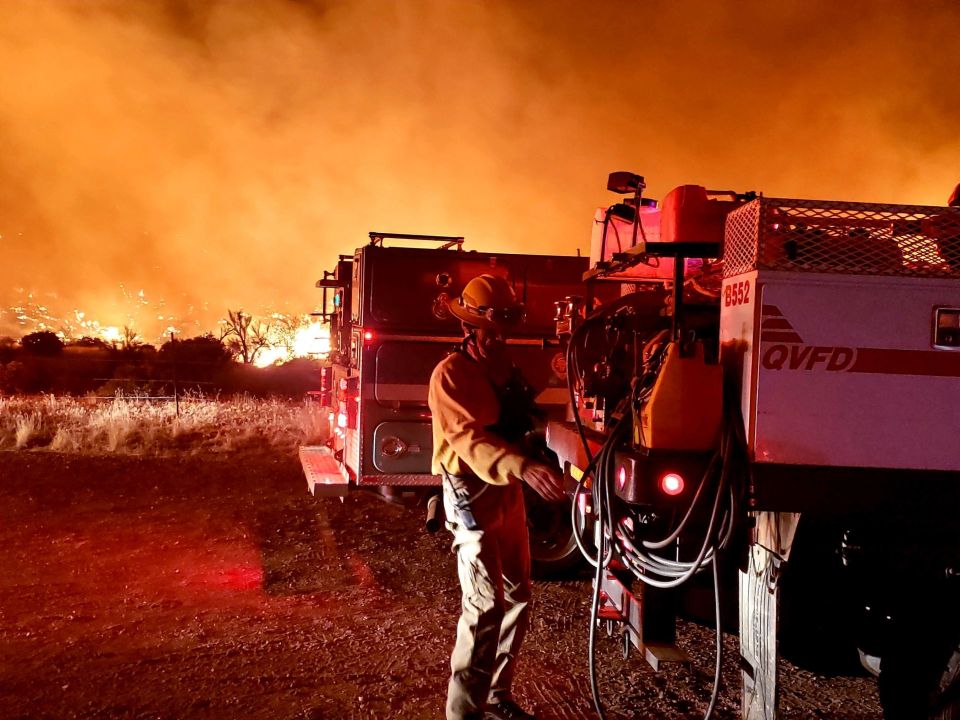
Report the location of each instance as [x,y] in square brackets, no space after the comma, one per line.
[178,393]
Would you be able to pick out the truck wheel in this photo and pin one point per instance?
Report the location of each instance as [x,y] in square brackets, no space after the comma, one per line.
[947,702]
[553,549]
[919,680]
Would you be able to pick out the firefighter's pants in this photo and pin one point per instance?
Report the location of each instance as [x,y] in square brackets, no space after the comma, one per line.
[489,528]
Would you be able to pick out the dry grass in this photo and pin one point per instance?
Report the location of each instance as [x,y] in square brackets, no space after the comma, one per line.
[25,427]
[130,425]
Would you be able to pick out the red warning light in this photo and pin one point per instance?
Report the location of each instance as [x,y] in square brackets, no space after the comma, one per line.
[368,335]
[622,477]
[672,484]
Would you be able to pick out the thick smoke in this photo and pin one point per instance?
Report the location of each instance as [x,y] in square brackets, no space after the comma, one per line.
[221,154]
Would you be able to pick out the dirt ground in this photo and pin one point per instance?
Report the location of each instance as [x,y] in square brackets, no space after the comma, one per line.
[219,588]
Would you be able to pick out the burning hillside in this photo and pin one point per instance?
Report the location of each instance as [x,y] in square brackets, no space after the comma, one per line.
[220,154]
[276,337]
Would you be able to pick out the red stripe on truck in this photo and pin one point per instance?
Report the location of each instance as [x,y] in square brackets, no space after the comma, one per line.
[907,362]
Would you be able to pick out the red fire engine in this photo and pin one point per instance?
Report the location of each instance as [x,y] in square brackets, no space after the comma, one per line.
[389,327]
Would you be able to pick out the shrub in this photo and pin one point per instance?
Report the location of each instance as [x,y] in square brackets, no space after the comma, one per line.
[92,343]
[44,343]
[24,377]
[205,349]
[8,349]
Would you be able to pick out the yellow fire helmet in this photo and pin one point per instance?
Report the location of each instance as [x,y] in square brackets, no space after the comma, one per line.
[488,302]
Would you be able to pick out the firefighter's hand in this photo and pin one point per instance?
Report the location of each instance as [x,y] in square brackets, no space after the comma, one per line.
[546,481]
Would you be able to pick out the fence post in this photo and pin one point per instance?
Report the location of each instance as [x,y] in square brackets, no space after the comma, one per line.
[176,393]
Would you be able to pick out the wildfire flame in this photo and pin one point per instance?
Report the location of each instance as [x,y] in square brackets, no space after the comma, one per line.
[111,334]
[287,336]
[309,340]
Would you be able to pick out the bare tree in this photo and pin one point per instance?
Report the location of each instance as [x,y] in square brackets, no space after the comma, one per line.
[243,336]
[130,338]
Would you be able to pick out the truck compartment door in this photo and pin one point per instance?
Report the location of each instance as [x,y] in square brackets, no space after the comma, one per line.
[402,447]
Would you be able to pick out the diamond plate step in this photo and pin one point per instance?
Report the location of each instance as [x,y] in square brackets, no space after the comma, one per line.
[325,476]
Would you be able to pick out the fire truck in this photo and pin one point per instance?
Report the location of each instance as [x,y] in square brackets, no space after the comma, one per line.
[754,400]
[386,306]
[770,407]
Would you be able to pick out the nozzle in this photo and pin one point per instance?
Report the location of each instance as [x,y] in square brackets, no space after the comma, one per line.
[435,514]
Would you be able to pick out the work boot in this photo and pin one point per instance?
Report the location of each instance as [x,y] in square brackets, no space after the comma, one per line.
[507,710]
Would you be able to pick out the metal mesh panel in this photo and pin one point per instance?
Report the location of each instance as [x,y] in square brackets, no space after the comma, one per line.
[842,237]
[740,239]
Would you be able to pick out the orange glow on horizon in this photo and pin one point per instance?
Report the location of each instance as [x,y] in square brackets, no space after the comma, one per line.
[165,162]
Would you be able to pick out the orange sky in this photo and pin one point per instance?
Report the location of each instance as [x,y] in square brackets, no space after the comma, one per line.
[220,154]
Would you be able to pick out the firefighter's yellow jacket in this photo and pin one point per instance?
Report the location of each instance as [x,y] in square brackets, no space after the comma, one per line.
[464,407]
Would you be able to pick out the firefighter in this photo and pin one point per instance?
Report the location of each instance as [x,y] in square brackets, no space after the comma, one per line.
[481,411]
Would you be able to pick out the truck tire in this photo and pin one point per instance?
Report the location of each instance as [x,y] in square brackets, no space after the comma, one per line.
[947,700]
[553,549]
[921,679]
